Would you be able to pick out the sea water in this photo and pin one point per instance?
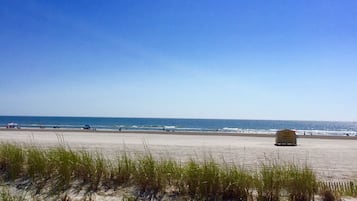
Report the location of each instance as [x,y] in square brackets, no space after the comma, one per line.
[201,125]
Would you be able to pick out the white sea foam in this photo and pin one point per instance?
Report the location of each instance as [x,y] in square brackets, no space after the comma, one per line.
[326,132]
[228,129]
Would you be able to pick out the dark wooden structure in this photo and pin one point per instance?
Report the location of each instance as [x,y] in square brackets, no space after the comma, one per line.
[285,137]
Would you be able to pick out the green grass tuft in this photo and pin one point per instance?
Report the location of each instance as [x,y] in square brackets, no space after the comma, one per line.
[122,170]
[64,162]
[38,167]
[12,160]
[5,195]
[301,183]
[148,175]
[237,183]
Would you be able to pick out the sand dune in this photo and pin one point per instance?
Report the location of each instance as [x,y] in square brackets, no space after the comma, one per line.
[331,158]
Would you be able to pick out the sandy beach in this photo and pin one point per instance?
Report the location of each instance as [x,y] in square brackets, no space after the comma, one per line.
[331,158]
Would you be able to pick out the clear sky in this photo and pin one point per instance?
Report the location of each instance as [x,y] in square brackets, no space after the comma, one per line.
[294,60]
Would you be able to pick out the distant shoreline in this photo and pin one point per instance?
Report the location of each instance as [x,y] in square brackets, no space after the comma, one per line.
[221,127]
[206,133]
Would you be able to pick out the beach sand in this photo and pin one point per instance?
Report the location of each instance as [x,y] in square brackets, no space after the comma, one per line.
[331,158]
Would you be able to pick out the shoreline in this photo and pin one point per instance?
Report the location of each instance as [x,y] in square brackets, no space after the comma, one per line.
[193,133]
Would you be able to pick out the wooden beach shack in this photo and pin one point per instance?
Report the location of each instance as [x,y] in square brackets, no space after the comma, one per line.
[285,137]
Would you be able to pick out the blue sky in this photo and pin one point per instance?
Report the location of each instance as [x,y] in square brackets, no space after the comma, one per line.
[294,60]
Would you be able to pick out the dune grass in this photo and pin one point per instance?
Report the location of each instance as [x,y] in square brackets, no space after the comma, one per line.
[12,160]
[5,195]
[61,167]
[121,170]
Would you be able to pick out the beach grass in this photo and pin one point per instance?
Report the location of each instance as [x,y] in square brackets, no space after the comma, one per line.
[298,182]
[12,160]
[5,195]
[121,170]
[62,168]
[38,167]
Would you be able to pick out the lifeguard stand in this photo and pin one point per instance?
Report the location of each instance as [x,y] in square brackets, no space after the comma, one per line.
[285,137]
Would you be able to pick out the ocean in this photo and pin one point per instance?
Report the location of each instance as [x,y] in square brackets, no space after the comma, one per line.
[201,125]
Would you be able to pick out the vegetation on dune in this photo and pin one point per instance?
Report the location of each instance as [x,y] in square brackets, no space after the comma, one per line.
[12,161]
[62,168]
[5,195]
